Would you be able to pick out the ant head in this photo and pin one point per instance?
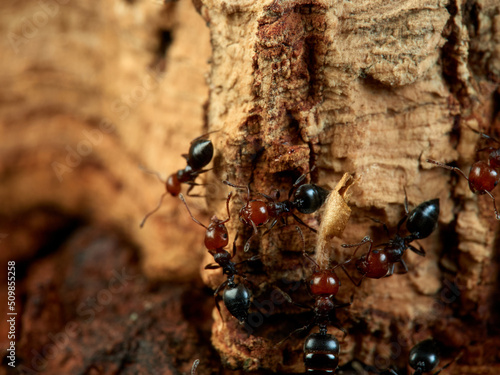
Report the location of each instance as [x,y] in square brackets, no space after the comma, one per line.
[482,177]
[173,185]
[254,212]
[309,198]
[216,236]
[200,153]
[423,219]
[424,357]
[374,265]
[324,283]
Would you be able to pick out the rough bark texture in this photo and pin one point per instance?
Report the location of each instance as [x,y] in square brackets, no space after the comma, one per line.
[372,88]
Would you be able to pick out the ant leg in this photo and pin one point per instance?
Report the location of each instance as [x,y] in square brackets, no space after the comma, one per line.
[212,266]
[275,221]
[227,208]
[298,181]
[144,169]
[204,135]
[237,186]
[154,210]
[363,241]
[311,259]
[350,278]
[216,294]
[191,187]
[294,332]
[268,197]
[304,224]
[454,169]
[302,238]
[448,364]
[494,205]
[405,268]
[195,365]
[384,224]
[192,217]
[406,201]
[420,251]
[255,232]
[391,270]
[252,259]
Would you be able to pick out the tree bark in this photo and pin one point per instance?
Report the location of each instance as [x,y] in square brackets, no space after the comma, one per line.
[368,88]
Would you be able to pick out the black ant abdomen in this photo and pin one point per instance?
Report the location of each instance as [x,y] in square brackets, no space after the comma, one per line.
[200,153]
[236,298]
[424,357]
[423,219]
[309,198]
[321,353]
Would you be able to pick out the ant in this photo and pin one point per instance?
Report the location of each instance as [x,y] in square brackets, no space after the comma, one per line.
[306,199]
[200,154]
[378,263]
[236,297]
[424,357]
[321,349]
[483,175]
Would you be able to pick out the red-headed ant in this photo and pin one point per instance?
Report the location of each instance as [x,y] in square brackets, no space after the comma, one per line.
[321,349]
[236,297]
[306,199]
[200,154]
[483,175]
[424,357]
[378,263]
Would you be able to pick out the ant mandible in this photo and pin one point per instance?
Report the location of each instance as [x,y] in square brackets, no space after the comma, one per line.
[200,154]
[306,199]
[483,175]
[424,357]
[236,296]
[378,263]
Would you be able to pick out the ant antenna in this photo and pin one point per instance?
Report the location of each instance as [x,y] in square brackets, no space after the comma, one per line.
[154,210]
[150,171]
[192,217]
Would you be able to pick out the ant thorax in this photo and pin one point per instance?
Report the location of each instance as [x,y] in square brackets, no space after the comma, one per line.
[276,209]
